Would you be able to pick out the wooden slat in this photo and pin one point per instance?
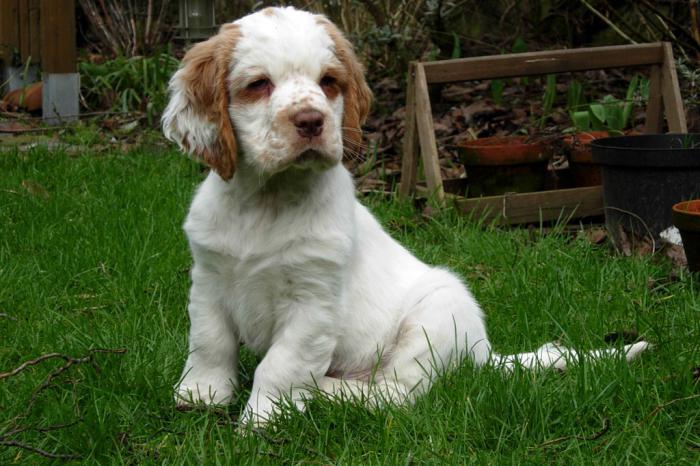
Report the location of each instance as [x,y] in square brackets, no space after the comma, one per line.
[58,53]
[24,33]
[409,164]
[655,110]
[9,28]
[673,103]
[538,63]
[34,17]
[426,134]
[533,207]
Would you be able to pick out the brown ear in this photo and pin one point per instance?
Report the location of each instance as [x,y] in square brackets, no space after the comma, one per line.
[197,116]
[357,96]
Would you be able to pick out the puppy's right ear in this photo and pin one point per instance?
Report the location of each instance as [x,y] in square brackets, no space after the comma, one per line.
[197,116]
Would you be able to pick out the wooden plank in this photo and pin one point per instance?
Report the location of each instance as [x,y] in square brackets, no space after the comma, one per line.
[539,63]
[9,28]
[409,164]
[426,134]
[58,54]
[655,110]
[537,206]
[34,24]
[23,28]
[673,102]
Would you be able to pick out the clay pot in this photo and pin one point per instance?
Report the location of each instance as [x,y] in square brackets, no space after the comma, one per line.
[584,172]
[686,217]
[28,98]
[499,165]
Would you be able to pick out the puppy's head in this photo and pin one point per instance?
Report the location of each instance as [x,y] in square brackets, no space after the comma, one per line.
[281,87]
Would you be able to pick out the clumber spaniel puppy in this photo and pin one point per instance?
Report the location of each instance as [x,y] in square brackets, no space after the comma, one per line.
[286,260]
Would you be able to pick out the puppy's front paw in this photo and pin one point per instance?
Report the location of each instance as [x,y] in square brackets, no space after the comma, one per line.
[193,393]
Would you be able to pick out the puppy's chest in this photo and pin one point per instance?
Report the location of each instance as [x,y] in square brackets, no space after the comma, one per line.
[268,270]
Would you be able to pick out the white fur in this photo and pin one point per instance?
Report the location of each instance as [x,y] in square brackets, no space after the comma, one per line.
[288,262]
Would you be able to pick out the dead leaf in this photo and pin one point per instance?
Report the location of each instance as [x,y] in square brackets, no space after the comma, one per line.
[35,189]
[677,255]
[595,235]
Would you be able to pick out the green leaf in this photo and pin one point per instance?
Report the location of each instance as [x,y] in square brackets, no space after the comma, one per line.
[597,113]
[456,46]
[581,120]
[497,86]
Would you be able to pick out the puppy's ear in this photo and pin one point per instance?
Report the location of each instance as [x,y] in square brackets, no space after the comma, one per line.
[197,116]
[357,96]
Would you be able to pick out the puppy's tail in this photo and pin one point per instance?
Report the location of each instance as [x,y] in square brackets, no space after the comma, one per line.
[554,356]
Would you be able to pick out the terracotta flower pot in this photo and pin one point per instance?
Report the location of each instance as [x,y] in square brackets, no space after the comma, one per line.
[498,165]
[584,172]
[686,217]
[28,98]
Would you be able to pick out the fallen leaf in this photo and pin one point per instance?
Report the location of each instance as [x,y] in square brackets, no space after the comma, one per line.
[35,189]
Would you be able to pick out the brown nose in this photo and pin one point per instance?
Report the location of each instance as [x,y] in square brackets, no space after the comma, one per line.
[309,123]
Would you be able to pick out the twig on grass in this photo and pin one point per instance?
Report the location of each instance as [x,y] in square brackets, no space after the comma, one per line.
[69,361]
[663,406]
[5,440]
[8,438]
[38,451]
[3,314]
[589,438]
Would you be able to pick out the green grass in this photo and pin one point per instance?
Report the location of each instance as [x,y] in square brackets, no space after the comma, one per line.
[92,255]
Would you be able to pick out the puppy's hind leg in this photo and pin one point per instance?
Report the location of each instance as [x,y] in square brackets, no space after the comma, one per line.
[442,325]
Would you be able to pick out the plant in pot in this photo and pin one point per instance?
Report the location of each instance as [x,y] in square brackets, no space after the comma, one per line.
[686,217]
[497,165]
[644,176]
[502,164]
[607,117]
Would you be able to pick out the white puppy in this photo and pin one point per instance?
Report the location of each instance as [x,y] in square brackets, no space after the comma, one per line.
[286,260]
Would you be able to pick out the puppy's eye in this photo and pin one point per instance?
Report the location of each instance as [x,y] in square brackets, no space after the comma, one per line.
[327,81]
[259,84]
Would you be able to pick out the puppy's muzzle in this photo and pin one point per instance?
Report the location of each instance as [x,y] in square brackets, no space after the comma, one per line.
[309,123]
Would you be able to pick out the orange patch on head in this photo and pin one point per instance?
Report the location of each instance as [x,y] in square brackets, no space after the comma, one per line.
[204,77]
[333,82]
[256,90]
[356,94]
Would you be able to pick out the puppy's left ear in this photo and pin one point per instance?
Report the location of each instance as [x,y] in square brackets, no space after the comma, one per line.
[357,96]
[197,116]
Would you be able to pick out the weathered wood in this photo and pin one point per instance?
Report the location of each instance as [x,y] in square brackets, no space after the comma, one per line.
[535,207]
[58,51]
[409,164]
[539,63]
[9,28]
[426,134]
[655,110]
[23,30]
[34,16]
[673,102]
[544,205]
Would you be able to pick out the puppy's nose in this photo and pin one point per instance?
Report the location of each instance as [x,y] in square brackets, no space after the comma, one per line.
[309,123]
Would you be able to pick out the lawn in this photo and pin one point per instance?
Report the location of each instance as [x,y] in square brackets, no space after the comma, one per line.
[94,266]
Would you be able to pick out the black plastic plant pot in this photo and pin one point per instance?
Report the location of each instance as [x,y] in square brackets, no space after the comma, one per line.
[644,176]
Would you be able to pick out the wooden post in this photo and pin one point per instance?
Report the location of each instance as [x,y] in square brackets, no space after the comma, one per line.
[58,54]
[58,58]
[673,103]
[426,135]
[9,29]
[409,165]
